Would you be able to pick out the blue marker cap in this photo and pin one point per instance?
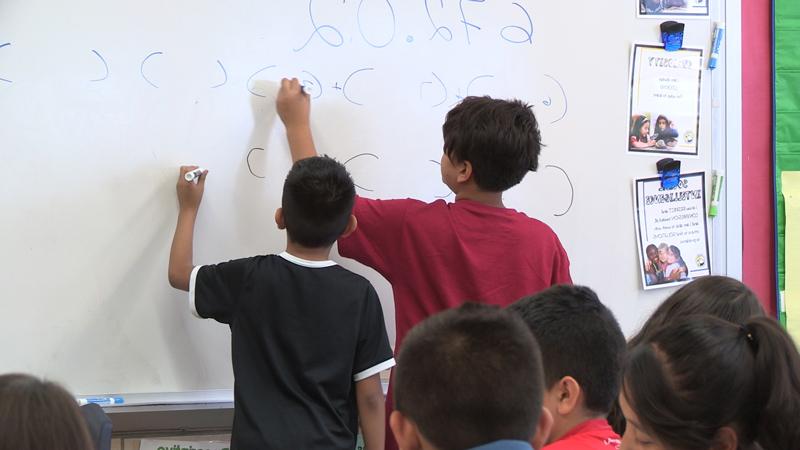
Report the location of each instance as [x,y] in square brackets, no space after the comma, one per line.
[716,43]
[672,35]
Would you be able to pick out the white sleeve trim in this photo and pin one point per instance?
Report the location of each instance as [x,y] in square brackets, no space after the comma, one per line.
[192,280]
[389,363]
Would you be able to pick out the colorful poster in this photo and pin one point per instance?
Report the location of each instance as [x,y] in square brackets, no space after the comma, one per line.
[672,231]
[672,8]
[664,111]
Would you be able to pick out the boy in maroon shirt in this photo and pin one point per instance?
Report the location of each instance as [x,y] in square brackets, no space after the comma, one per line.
[582,350]
[438,255]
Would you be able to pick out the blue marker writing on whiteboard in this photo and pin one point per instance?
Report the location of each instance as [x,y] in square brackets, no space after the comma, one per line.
[101,400]
[194,175]
[719,33]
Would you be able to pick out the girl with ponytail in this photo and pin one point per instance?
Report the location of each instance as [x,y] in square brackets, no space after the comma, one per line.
[703,383]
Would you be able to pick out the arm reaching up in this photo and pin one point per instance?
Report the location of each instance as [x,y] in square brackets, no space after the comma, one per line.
[180,255]
[294,107]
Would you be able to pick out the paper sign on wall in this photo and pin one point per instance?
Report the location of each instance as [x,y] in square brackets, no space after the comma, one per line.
[671,230]
[664,109]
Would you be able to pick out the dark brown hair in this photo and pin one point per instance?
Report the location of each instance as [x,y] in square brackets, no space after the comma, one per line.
[500,138]
[38,415]
[318,198]
[718,296]
[579,337]
[469,376]
[693,377]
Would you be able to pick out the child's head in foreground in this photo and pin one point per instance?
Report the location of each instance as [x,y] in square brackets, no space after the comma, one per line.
[719,296]
[466,377]
[498,139]
[36,414]
[317,204]
[704,383]
[582,350]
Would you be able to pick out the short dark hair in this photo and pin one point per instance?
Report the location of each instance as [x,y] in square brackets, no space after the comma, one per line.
[697,375]
[469,376]
[579,337]
[318,198]
[500,138]
[37,414]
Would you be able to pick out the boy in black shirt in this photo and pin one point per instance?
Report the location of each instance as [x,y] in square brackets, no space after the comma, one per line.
[308,338]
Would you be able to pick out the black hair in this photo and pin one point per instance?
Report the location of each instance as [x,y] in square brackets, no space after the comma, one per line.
[714,295]
[693,377]
[637,122]
[500,138]
[469,376]
[318,198]
[579,337]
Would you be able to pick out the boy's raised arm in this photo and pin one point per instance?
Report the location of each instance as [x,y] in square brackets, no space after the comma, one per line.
[371,411]
[180,255]
[294,107]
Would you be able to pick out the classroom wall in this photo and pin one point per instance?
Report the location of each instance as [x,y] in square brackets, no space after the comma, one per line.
[758,253]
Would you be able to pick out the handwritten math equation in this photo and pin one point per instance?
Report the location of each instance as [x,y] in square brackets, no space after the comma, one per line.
[378,24]
[434,90]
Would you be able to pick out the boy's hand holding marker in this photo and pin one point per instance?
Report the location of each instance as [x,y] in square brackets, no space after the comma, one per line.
[294,108]
[190,187]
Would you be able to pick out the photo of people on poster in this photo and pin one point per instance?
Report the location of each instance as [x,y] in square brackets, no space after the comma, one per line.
[672,230]
[664,107]
[675,8]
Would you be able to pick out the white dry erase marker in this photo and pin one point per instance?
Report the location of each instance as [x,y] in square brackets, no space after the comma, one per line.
[194,175]
[101,400]
[716,43]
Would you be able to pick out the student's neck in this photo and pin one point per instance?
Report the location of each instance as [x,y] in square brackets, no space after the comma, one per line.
[566,424]
[308,253]
[485,197]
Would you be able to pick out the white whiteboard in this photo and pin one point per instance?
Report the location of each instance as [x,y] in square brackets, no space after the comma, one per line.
[100,102]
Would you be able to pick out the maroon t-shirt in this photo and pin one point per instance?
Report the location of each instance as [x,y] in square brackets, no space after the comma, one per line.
[439,255]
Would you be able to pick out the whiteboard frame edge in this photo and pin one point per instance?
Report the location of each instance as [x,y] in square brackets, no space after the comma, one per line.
[733,138]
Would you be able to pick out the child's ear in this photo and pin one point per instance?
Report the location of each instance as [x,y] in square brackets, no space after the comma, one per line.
[725,439]
[352,224]
[279,219]
[569,395]
[405,432]
[464,171]
[543,429]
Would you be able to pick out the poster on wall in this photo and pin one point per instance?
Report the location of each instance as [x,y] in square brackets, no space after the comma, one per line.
[672,8]
[672,232]
[664,107]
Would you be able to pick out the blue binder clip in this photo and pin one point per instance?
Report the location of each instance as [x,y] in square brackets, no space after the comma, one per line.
[672,35]
[670,172]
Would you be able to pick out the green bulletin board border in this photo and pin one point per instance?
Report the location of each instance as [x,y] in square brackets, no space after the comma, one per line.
[786,117]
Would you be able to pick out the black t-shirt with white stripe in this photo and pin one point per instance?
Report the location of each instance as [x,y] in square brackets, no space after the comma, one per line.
[302,333]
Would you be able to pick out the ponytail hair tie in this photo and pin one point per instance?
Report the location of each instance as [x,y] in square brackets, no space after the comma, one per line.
[748,335]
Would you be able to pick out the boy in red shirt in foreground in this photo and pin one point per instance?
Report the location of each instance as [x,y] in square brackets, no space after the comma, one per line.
[582,351]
